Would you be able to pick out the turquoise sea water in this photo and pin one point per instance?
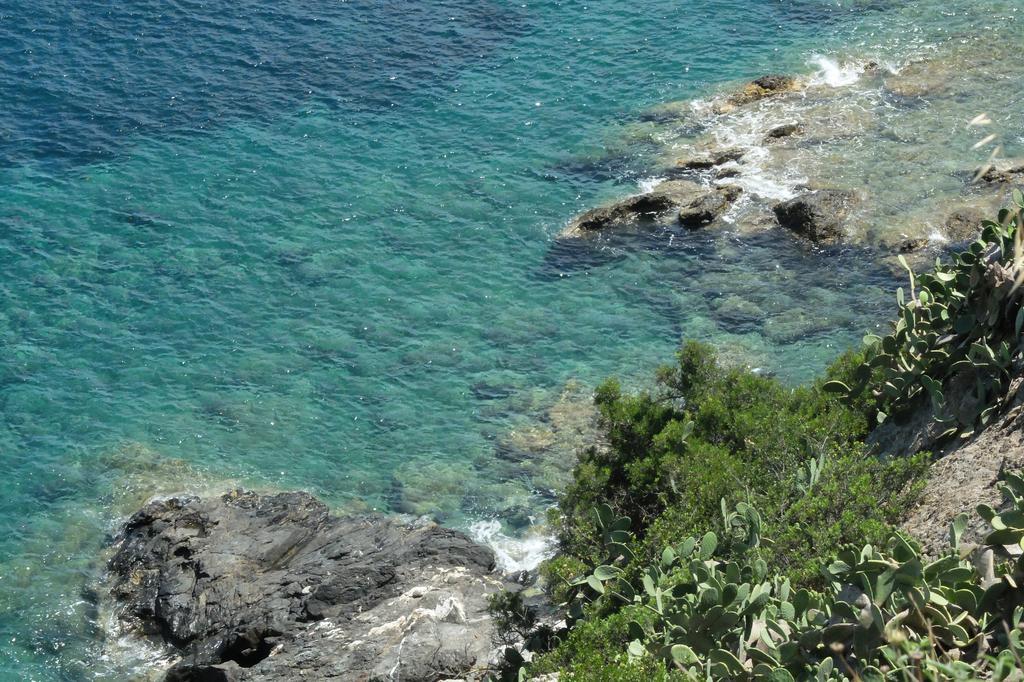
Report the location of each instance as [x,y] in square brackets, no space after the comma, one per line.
[312,245]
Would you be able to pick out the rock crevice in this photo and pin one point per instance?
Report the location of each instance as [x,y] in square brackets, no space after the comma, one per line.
[272,587]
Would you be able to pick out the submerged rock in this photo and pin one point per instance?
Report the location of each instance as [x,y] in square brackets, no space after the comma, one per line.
[924,78]
[912,244]
[272,587]
[818,216]
[662,199]
[707,208]
[736,311]
[784,130]
[964,225]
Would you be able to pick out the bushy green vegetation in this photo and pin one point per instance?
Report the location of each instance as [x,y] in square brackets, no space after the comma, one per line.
[708,433]
[957,332]
[675,577]
[710,608]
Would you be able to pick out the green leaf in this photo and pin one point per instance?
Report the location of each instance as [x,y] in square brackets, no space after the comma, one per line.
[727,659]
[838,386]
[683,655]
[762,657]
[1008,536]
[956,530]
[824,671]
[686,549]
[708,545]
[883,586]
[607,572]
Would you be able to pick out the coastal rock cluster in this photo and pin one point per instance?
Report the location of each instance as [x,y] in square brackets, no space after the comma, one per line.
[734,159]
[696,206]
[272,587]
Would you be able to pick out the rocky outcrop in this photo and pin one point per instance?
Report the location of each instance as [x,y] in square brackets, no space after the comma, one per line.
[1004,171]
[708,207]
[964,225]
[707,159]
[762,88]
[964,475]
[818,216]
[272,587]
[664,198]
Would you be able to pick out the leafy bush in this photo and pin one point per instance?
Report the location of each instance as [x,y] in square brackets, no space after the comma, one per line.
[854,496]
[958,331]
[710,608]
[594,650]
[709,432]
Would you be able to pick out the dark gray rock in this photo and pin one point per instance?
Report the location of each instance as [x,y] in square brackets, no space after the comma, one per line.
[912,245]
[818,216]
[272,587]
[517,516]
[705,160]
[784,130]
[776,83]
[1005,172]
[662,199]
[707,208]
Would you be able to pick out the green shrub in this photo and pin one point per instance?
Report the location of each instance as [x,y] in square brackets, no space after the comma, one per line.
[857,498]
[957,331]
[596,650]
[708,432]
[676,574]
[710,608]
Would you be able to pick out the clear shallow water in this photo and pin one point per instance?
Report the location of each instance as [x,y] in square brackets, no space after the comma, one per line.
[314,247]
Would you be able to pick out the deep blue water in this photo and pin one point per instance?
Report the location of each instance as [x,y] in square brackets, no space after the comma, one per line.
[311,244]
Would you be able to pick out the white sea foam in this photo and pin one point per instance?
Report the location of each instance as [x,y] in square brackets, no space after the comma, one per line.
[647,184]
[513,554]
[127,656]
[832,73]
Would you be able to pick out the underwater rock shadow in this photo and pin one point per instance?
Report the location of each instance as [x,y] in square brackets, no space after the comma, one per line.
[621,168]
[575,255]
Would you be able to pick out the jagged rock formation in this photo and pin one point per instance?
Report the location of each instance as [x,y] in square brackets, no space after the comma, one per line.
[707,208]
[818,215]
[272,587]
[661,199]
[1004,171]
[698,205]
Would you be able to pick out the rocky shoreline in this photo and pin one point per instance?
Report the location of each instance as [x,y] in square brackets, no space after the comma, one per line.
[715,153]
[273,587]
